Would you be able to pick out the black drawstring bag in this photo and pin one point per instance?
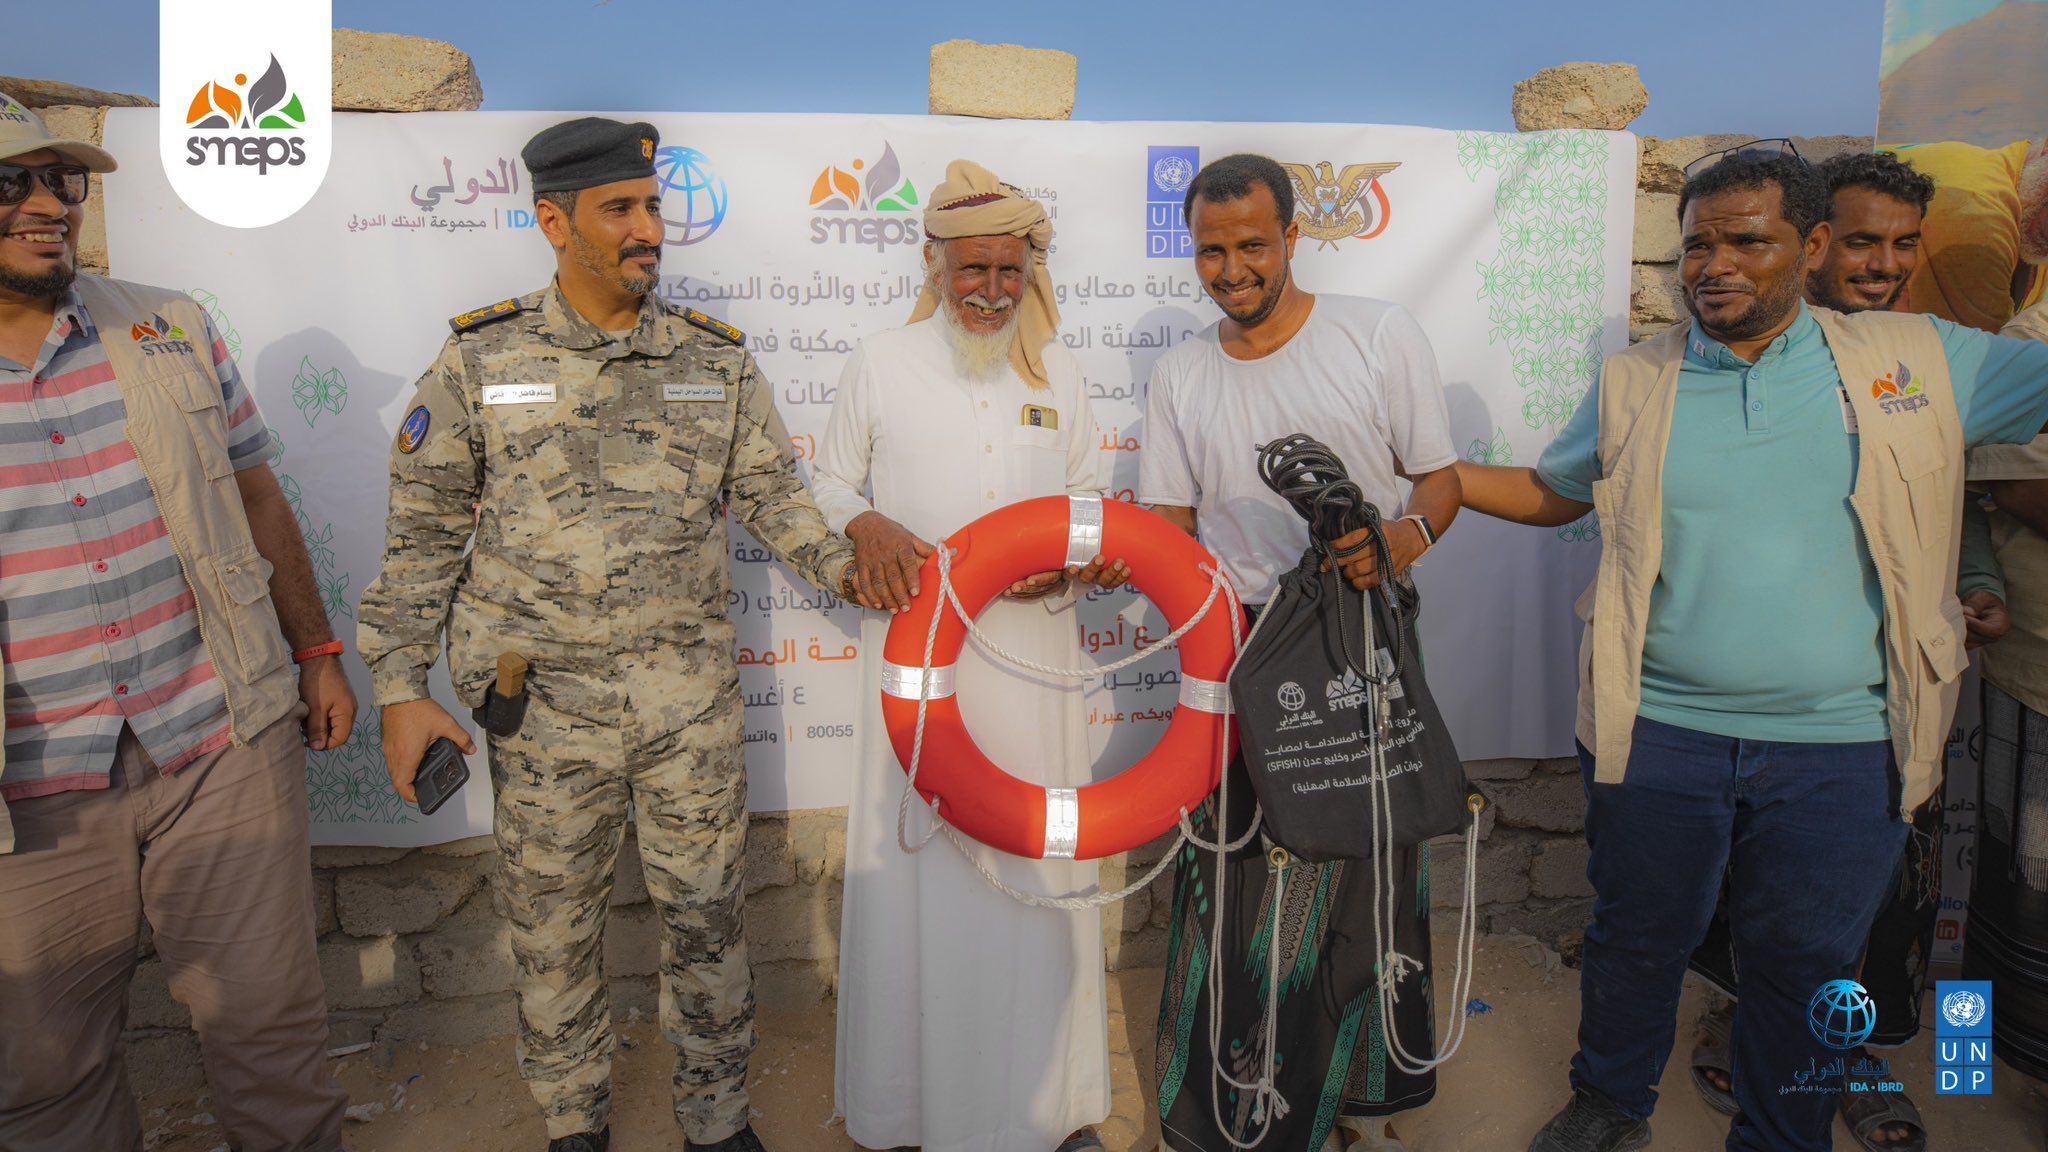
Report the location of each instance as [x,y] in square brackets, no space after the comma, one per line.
[1304,686]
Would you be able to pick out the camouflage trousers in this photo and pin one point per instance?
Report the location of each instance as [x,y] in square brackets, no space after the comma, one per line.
[562,784]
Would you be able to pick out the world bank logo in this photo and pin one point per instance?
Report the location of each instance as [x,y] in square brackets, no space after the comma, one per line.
[1963,1009]
[1841,1014]
[1292,697]
[693,198]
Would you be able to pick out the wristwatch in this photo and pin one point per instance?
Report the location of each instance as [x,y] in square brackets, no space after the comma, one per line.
[846,585]
[1428,533]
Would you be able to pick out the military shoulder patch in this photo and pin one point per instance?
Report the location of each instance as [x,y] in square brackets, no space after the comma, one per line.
[478,317]
[413,432]
[715,327]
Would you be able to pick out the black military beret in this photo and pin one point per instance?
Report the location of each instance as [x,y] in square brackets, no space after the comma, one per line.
[588,152]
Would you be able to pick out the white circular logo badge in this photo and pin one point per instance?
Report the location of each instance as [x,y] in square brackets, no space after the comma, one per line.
[1963,1009]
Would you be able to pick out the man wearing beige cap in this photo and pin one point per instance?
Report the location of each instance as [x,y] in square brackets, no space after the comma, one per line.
[154,597]
[973,406]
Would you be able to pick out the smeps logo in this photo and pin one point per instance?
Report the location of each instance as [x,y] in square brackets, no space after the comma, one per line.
[1896,392]
[267,104]
[879,203]
[247,125]
[159,337]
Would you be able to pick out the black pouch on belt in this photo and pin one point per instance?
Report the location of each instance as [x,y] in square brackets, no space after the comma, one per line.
[504,706]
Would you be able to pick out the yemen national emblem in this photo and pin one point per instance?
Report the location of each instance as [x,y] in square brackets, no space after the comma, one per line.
[1333,205]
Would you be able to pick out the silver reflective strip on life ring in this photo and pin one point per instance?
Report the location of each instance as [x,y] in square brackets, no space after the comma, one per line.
[1062,823]
[903,681]
[1084,528]
[1204,695]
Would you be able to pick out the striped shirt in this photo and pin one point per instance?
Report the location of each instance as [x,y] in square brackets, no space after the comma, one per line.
[98,626]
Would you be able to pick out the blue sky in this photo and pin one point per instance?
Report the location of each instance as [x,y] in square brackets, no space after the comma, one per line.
[1769,67]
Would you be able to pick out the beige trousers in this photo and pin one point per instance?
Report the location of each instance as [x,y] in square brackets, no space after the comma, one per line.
[216,857]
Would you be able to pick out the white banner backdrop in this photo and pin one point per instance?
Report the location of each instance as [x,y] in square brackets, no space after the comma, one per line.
[1511,250]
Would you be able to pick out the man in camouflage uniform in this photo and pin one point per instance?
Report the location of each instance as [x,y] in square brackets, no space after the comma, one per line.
[594,430]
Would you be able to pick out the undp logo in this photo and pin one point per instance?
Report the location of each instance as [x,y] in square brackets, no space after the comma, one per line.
[1841,1014]
[693,198]
[1963,1009]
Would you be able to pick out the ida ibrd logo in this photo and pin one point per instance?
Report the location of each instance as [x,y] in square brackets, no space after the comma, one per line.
[247,125]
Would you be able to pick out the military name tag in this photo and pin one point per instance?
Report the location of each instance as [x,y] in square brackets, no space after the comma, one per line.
[519,393]
[674,392]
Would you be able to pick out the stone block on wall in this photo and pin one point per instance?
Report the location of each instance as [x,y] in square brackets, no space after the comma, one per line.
[629,878]
[41,94]
[1142,949]
[374,973]
[1654,300]
[795,922]
[1500,874]
[1550,921]
[409,895]
[1002,81]
[468,954]
[468,1020]
[383,72]
[794,985]
[632,942]
[1604,96]
[1559,869]
[1547,803]
[769,863]
[1656,238]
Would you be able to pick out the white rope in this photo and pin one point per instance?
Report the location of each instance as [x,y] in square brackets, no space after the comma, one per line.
[1393,965]
[1267,1103]
[1216,583]
[939,824]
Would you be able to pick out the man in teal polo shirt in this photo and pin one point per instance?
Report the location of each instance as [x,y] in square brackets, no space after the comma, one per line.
[1762,741]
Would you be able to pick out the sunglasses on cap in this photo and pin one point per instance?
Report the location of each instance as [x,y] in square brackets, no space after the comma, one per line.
[1754,150]
[67,182]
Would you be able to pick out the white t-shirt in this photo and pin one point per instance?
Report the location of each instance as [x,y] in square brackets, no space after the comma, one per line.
[1360,376]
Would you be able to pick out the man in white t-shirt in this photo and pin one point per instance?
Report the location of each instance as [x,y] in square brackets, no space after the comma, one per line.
[1359,375]
[1354,372]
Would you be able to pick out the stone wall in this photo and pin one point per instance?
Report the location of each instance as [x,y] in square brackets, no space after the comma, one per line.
[411,946]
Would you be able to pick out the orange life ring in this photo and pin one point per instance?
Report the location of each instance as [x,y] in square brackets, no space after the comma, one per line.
[1133,807]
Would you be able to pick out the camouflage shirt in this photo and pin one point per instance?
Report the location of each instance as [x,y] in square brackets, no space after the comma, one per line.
[593,472]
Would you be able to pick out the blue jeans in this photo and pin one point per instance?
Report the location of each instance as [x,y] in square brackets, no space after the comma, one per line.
[1810,839]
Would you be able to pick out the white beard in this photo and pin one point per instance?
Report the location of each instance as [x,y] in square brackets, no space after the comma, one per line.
[978,355]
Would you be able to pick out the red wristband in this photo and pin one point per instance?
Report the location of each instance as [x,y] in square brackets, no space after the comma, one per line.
[331,648]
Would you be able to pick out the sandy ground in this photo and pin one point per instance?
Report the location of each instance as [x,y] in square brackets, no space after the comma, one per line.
[1504,1083]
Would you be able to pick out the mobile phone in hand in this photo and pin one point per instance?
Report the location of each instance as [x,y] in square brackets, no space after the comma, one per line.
[443,770]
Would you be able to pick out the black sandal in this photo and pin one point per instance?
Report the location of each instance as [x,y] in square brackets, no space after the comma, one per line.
[1868,1110]
[1716,1031]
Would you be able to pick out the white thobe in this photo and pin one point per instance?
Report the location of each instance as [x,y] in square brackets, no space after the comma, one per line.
[968,1022]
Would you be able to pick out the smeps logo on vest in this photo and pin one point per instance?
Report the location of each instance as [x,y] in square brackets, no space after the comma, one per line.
[247,124]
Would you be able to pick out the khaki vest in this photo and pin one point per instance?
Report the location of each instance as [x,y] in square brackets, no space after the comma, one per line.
[1908,497]
[176,421]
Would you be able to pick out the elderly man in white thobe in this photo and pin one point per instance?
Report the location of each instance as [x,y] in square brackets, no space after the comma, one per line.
[968,1022]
